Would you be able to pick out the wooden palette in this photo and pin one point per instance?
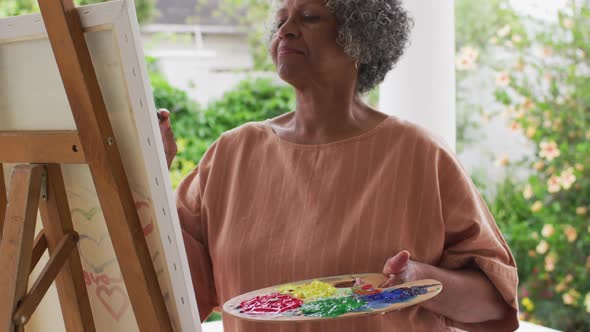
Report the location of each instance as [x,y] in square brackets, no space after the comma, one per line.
[358,301]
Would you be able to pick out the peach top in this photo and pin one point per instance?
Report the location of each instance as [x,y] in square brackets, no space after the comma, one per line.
[260,211]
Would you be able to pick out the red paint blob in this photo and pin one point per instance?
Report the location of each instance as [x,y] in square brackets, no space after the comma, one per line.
[270,304]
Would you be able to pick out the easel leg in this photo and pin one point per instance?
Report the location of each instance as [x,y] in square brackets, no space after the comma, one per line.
[57,221]
[17,244]
[2,200]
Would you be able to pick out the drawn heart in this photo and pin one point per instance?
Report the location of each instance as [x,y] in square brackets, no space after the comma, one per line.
[114,300]
[98,254]
[86,214]
[148,229]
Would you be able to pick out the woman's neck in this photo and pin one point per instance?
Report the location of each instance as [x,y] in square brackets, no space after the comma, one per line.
[323,113]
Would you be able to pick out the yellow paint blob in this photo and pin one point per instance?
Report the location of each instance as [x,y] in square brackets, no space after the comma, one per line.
[314,290]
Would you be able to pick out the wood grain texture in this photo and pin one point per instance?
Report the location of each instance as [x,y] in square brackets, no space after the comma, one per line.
[57,223]
[41,147]
[17,245]
[2,199]
[38,249]
[59,258]
[79,78]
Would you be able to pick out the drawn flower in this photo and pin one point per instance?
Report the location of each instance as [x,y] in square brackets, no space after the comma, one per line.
[549,150]
[581,210]
[548,230]
[502,79]
[504,31]
[542,247]
[567,178]
[537,206]
[570,233]
[553,184]
[527,193]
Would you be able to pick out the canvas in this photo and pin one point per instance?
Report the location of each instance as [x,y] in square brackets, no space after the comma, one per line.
[32,97]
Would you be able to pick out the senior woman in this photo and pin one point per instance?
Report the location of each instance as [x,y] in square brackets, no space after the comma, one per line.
[336,187]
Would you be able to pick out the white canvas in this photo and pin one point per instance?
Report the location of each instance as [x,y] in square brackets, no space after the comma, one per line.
[32,97]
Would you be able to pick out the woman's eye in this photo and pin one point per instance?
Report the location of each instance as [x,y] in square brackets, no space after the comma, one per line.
[310,18]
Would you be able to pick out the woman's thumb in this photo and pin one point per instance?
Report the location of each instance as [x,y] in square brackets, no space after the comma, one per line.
[397,264]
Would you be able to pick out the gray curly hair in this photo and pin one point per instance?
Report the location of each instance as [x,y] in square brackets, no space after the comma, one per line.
[374,32]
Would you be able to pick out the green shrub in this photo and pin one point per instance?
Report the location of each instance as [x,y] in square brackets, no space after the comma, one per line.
[196,128]
[546,92]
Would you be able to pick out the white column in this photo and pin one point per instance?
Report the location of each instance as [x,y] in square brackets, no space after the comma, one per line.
[421,88]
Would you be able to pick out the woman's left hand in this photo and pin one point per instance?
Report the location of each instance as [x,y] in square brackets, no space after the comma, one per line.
[399,269]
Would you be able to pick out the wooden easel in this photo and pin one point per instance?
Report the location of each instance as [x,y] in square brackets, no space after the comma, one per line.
[37,185]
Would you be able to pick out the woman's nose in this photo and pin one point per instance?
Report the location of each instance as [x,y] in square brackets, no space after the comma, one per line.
[289,30]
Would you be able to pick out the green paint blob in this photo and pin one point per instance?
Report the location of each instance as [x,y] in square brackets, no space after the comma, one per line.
[331,307]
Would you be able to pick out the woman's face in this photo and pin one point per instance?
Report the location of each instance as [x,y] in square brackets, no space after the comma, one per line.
[304,47]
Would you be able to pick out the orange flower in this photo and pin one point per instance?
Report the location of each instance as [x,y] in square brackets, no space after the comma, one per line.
[528,104]
[553,184]
[531,131]
[571,297]
[466,60]
[504,31]
[550,261]
[527,192]
[502,161]
[549,150]
[537,206]
[547,51]
[538,165]
[570,233]
[567,178]
[517,39]
[542,247]
[503,79]
[548,230]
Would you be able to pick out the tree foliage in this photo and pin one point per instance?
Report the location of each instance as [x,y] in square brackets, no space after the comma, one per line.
[145,8]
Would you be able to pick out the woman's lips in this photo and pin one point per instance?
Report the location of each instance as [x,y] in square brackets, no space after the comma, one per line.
[289,51]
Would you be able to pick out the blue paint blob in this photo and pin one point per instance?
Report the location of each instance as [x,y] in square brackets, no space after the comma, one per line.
[399,295]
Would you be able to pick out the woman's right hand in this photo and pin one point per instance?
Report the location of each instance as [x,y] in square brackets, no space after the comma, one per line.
[170,147]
